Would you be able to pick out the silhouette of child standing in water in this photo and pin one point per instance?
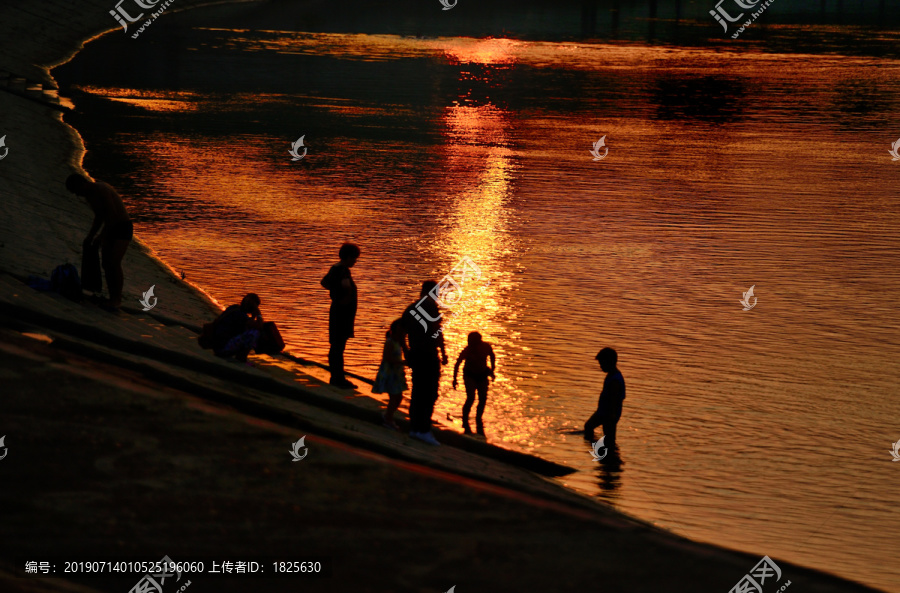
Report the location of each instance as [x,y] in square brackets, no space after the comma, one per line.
[391,377]
[475,378]
[609,405]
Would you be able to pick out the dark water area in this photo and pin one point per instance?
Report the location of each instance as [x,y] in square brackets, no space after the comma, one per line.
[761,162]
[845,27]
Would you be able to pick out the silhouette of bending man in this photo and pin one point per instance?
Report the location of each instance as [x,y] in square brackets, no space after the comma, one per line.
[110,213]
[609,405]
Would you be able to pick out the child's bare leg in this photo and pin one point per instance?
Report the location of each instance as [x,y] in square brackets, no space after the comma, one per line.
[479,411]
[467,407]
[393,404]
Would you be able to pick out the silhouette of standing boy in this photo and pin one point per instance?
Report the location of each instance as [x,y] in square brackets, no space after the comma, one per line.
[609,406]
[475,378]
[342,314]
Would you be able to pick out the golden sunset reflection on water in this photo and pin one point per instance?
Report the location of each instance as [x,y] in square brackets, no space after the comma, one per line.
[479,161]
[167,101]
[479,51]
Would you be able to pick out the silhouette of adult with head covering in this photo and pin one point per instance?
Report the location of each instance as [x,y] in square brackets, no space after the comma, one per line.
[609,405]
[342,314]
[422,321]
[109,212]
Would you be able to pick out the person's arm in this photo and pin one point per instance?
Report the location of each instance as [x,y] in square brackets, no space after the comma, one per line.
[346,290]
[444,359]
[493,362]
[401,339]
[404,339]
[255,321]
[456,368]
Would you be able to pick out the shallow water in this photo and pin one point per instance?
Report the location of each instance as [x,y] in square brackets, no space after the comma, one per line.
[765,430]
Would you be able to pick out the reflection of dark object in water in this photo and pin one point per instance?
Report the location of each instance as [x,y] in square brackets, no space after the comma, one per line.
[709,98]
[860,97]
[609,473]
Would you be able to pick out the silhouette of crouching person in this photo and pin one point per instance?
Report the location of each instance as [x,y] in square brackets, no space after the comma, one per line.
[236,331]
[609,405]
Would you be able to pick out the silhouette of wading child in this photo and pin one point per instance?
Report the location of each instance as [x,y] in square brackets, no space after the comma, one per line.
[475,377]
[342,314]
[609,405]
[109,213]
[391,377]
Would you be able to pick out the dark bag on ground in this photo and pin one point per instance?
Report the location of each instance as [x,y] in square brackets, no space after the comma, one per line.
[64,280]
[91,279]
[270,341]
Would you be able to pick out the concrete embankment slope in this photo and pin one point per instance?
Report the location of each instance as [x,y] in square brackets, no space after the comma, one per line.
[42,224]
[125,439]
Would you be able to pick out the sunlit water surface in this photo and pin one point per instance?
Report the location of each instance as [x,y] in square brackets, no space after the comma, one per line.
[766,430]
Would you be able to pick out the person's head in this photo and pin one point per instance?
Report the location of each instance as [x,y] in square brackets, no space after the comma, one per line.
[397,329]
[607,359]
[76,184]
[474,338]
[250,303]
[427,287]
[349,253]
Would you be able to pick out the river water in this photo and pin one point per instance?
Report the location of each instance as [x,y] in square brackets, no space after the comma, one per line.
[766,430]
